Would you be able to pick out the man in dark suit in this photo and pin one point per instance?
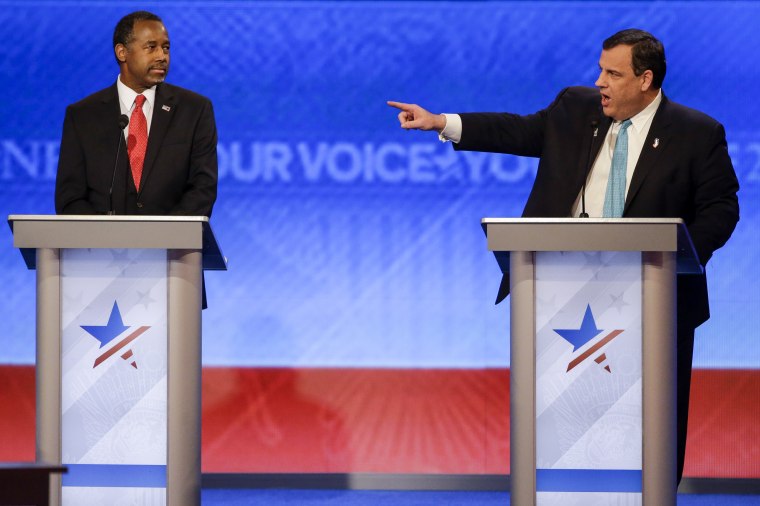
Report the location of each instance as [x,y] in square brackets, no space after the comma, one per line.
[677,165]
[169,165]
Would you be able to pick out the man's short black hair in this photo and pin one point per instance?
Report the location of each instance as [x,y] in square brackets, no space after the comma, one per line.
[647,52]
[125,28]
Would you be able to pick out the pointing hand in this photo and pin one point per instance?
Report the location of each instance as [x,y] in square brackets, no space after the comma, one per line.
[414,117]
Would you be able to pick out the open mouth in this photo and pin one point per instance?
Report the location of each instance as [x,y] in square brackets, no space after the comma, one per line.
[605,100]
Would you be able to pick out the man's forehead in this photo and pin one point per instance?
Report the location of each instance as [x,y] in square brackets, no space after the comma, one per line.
[616,57]
[149,29]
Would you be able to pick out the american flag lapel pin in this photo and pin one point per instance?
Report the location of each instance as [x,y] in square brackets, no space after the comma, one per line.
[167,109]
[656,142]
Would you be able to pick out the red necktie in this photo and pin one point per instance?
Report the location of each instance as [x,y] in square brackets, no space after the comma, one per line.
[137,142]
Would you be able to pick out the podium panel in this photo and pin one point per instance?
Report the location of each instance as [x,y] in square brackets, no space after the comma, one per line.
[588,378]
[593,357]
[119,353]
[114,375]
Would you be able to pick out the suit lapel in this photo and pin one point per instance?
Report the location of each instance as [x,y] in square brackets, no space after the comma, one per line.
[110,115]
[163,111]
[654,145]
[598,140]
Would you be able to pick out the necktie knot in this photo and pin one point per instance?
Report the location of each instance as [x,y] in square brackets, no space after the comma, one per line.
[140,100]
[623,127]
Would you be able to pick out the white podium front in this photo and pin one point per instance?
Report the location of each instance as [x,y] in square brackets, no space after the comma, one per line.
[119,353]
[593,357]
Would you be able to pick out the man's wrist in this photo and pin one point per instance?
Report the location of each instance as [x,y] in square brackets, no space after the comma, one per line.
[440,122]
[452,130]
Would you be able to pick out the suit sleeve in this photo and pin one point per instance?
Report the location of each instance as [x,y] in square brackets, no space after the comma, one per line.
[200,189]
[505,132]
[716,206]
[71,180]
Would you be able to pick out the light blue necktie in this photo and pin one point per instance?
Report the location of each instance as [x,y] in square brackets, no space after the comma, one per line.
[614,199]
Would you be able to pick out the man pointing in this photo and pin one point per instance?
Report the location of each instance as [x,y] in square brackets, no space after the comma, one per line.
[650,157]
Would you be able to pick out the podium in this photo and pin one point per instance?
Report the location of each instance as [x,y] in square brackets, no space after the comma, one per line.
[118,372]
[593,357]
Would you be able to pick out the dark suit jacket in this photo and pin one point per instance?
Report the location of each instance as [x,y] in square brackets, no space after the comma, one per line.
[180,170]
[688,174]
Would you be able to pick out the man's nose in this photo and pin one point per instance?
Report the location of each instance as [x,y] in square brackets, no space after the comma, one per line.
[600,81]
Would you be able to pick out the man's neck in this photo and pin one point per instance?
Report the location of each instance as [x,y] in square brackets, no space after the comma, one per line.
[649,97]
[134,87]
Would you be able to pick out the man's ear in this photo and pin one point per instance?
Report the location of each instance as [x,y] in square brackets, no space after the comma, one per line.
[646,80]
[120,50]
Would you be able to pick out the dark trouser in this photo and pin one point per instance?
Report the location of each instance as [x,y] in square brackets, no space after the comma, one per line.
[685,352]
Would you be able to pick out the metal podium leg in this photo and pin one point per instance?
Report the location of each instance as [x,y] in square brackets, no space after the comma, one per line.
[183,480]
[48,368]
[522,379]
[659,379]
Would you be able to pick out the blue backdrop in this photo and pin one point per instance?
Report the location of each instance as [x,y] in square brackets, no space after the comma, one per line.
[352,242]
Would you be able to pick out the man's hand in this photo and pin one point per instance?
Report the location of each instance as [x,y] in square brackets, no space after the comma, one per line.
[414,117]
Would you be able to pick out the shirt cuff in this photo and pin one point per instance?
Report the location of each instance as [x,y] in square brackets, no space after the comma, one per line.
[453,129]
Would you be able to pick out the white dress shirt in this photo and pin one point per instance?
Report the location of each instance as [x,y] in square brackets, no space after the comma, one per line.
[596,185]
[127,102]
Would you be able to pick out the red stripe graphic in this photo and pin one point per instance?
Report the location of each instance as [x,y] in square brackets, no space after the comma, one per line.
[131,337]
[586,354]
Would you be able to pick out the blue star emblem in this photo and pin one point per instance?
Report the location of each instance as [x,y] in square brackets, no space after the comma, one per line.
[108,332]
[579,337]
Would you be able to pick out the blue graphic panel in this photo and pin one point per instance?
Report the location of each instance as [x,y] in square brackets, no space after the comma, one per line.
[352,242]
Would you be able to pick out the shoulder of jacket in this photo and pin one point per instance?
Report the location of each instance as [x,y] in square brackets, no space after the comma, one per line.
[183,93]
[96,98]
[690,116]
[584,93]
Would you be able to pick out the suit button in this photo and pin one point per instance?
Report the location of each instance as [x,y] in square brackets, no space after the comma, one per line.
[139,205]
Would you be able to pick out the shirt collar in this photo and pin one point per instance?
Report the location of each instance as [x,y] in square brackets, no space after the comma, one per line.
[642,119]
[127,95]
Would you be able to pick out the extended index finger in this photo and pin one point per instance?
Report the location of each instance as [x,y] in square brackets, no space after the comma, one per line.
[400,105]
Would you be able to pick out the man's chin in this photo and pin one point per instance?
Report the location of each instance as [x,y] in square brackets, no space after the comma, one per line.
[149,83]
[156,77]
[611,114]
